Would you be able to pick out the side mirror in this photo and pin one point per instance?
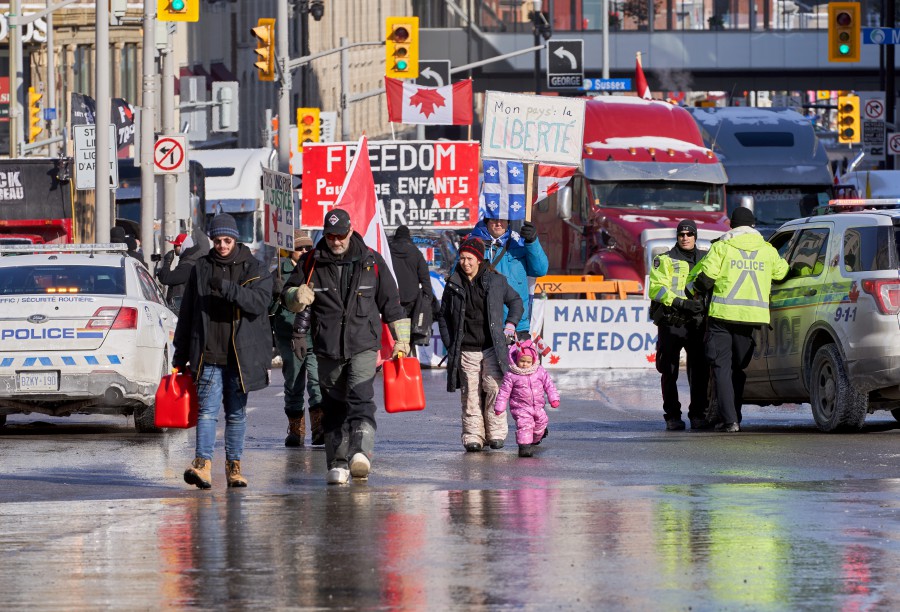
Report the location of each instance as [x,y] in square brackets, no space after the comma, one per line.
[564,203]
[747,202]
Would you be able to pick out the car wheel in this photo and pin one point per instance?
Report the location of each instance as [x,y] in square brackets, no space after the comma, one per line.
[836,403]
[145,416]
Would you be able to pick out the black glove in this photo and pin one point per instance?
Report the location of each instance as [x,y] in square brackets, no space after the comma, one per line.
[298,345]
[215,282]
[168,258]
[690,306]
[528,232]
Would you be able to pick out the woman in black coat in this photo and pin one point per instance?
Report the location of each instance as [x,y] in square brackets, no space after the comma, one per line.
[476,336]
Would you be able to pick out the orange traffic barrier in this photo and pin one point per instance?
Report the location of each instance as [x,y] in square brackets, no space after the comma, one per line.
[592,287]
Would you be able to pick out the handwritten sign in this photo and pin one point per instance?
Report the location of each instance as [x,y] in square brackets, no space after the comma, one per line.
[279,205]
[542,129]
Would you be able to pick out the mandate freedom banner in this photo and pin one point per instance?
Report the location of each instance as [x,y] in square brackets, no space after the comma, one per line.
[599,334]
[420,184]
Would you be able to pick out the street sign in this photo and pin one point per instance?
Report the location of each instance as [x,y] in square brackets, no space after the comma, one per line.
[433,73]
[85,137]
[893,141]
[872,118]
[565,64]
[881,36]
[170,155]
[607,85]
[193,91]
[278,198]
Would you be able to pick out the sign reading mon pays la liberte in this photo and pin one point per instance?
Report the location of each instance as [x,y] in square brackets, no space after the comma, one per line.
[545,129]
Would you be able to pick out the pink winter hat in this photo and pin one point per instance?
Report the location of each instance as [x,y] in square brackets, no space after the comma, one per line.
[526,346]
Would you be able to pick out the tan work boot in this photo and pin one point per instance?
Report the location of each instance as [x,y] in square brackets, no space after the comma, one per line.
[199,474]
[296,432]
[316,415]
[233,474]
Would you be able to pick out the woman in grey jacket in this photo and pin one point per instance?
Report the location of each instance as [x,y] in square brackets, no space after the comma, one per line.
[476,335]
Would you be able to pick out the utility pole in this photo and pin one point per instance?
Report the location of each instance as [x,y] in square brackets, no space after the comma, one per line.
[16,86]
[282,57]
[51,83]
[103,212]
[167,102]
[148,180]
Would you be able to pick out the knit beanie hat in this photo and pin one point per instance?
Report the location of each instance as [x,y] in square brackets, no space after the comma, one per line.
[742,216]
[473,245]
[302,239]
[402,232]
[687,226]
[525,347]
[223,224]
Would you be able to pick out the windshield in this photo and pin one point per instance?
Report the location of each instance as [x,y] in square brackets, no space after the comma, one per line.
[245,227]
[55,279]
[776,206]
[657,195]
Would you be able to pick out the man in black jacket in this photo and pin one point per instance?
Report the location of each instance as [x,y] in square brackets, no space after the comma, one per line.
[350,290]
[223,334]
[413,282]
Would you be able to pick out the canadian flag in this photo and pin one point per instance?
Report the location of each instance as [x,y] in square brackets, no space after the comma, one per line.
[358,198]
[550,179]
[417,104]
[643,90]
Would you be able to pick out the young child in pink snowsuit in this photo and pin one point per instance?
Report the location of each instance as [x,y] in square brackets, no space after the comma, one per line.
[523,387]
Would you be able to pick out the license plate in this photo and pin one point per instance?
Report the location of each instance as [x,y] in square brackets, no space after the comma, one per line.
[38,381]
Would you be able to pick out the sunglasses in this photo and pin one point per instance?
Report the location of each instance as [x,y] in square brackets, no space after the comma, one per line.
[336,237]
[227,240]
[685,234]
[301,249]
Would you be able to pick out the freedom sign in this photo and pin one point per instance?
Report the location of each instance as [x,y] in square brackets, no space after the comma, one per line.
[279,205]
[421,184]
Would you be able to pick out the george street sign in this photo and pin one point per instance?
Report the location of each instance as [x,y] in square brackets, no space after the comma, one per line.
[565,64]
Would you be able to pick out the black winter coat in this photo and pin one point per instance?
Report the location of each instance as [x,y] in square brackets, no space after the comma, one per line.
[345,325]
[411,270]
[453,312]
[251,332]
[176,279]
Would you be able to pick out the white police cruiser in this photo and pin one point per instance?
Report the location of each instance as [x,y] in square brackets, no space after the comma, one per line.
[834,338]
[83,329]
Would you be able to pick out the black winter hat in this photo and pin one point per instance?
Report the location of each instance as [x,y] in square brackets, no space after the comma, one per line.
[402,232]
[687,226]
[337,222]
[473,245]
[117,234]
[223,224]
[742,216]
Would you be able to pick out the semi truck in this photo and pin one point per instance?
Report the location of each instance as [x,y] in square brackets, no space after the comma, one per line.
[772,155]
[36,204]
[644,168]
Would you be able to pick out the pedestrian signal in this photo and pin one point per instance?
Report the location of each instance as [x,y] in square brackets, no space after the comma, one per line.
[35,121]
[848,126]
[402,48]
[178,10]
[308,125]
[264,32]
[843,32]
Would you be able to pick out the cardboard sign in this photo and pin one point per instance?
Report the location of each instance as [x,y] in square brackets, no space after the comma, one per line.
[419,184]
[278,200]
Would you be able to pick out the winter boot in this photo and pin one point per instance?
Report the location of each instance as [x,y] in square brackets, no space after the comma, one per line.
[360,466]
[316,414]
[495,444]
[199,474]
[233,474]
[296,432]
[362,447]
[526,450]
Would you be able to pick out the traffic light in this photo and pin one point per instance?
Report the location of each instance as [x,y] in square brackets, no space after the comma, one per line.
[264,32]
[843,32]
[35,120]
[178,10]
[402,48]
[848,119]
[307,126]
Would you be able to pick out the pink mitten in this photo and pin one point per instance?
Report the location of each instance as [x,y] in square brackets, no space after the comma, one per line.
[554,404]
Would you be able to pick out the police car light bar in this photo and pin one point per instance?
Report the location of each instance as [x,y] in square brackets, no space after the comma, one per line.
[32,249]
[867,202]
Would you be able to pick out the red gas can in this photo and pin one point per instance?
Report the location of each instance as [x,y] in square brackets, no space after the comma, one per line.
[176,401]
[403,388]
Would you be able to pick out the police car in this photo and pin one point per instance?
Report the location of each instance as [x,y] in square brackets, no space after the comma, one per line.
[834,337]
[83,329]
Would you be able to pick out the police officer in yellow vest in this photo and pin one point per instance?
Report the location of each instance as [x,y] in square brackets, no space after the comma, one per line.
[739,269]
[680,323]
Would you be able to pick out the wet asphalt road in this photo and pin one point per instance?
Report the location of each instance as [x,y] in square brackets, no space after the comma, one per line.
[612,513]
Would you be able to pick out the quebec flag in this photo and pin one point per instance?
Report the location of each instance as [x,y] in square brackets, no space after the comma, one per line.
[503,189]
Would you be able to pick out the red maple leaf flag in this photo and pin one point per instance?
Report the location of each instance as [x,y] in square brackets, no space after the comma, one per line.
[417,104]
[643,90]
[550,179]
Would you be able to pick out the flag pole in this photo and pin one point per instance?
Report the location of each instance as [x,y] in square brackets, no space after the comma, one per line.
[529,181]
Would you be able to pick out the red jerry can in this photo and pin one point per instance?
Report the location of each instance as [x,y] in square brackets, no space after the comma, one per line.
[403,390]
[176,401]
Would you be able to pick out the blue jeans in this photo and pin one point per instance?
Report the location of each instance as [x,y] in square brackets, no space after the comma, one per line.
[216,386]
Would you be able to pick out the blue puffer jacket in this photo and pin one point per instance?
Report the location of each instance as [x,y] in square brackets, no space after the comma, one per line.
[520,261]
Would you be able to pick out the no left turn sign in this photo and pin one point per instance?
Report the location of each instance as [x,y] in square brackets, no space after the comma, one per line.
[169,155]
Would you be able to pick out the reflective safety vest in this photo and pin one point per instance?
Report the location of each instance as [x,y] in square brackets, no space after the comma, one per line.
[743,266]
[667,279]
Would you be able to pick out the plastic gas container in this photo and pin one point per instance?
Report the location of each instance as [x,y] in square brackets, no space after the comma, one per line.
[403,390]
[177,405]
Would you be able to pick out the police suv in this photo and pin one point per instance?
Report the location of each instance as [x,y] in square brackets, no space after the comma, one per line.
[834,337]
[84,329]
